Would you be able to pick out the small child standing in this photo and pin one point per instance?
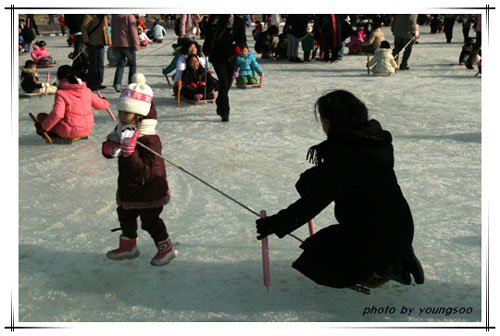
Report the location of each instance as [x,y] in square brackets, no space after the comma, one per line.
[40,54]
[142,181]
[383,60]
[30,82]
[71,116]
[257,31]
[308,44]
[466,50]
[247,63]
[196,80]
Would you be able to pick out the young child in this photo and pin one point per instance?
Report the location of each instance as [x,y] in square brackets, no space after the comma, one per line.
[257,31]
[354,170]
[186,49]
[354,44]
[158,32]
[143,38]
[383,61]
[247,63]
[40,54]
[30,82]
[23,46]
[142,181]
[71,116]
[194,80]
[466,50]
[308,44]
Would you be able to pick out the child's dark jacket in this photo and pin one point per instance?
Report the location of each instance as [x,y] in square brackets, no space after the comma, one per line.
[29,80]
[375,230]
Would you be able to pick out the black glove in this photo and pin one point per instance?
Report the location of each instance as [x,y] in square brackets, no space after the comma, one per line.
[265,227]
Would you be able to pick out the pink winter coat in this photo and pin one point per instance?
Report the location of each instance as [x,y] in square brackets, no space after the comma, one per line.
[71,116]
[38,53]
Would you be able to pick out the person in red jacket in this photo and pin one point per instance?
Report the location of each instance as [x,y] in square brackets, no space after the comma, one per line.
[142,181]
[71,116]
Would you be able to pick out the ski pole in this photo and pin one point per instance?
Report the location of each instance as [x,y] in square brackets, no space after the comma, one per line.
[48,79]
[265,257]
[368,61]
[311,227]
[179,83]
[107,108]
[45,135]
[206,183]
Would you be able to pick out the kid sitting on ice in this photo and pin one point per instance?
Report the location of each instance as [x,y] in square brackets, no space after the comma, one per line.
[142,181]
[40,54]
[354,44]
[143,38]
[308,44]
[383,60]
[257,31]
[353,168]
[30,82]
[247,63]
[71,116]
[194,80]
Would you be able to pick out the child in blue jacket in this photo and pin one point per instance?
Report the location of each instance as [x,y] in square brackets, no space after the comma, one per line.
[247,63]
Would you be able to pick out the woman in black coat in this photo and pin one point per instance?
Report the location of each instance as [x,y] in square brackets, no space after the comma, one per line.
[225,38]
[354,169]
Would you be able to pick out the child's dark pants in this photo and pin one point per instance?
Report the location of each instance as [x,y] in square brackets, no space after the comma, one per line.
[150,221]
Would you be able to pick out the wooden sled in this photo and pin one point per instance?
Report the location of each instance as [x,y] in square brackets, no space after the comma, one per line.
[30,94]
[66,141]
[197,102]
[45,66]
[249,86]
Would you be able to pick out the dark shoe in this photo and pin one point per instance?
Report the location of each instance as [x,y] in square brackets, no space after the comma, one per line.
[117,89]
[102,87]
[404,67]
[225,118]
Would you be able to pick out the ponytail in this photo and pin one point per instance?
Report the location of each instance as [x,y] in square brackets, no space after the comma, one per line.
[66,72]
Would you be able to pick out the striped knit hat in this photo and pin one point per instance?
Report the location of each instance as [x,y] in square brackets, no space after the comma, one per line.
[137,96]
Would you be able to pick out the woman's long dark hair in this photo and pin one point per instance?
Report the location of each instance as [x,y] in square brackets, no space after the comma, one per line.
[190,75]
[343,111]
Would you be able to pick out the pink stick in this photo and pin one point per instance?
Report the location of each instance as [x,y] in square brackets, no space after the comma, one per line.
[265,257]
[48,79]
[311,227]
[107,108]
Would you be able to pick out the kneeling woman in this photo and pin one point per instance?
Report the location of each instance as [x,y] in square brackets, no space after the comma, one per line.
[71,116]
[353,169]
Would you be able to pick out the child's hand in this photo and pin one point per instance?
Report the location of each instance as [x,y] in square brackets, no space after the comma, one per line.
[264,227]
[128,141]
[111,149]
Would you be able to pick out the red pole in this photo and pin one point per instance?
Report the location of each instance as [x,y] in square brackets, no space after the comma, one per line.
[47,82]
[107,108]
[311,227]
[265,257]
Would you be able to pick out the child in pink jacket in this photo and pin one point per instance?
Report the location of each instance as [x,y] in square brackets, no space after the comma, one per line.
[71,116]
[40,54]
[354,44]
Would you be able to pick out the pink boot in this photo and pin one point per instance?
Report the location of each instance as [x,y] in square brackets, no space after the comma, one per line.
[198,97]
[127,250]
[166,253]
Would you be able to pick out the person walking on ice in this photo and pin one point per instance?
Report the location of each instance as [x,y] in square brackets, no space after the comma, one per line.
[142,181]
[354,168]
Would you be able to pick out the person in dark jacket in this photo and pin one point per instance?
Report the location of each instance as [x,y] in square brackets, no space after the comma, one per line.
[331,33]
[225,38]
[142,181]
[265,43]
[297,29]
[354,168]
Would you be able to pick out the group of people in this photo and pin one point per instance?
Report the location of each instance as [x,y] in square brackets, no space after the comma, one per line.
[353,167]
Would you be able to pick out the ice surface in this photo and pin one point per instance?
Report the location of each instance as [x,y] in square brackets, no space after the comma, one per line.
[67,197]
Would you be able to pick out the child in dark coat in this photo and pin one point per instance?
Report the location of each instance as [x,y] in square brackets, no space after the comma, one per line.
[195,78]
[142,181]
[354,168]
[30,82]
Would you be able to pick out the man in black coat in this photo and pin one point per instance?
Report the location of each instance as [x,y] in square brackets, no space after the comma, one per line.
[297,29]
[355,170]
[225,38]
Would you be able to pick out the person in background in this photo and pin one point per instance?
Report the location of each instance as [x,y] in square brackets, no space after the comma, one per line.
[95,35]
[125,42]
